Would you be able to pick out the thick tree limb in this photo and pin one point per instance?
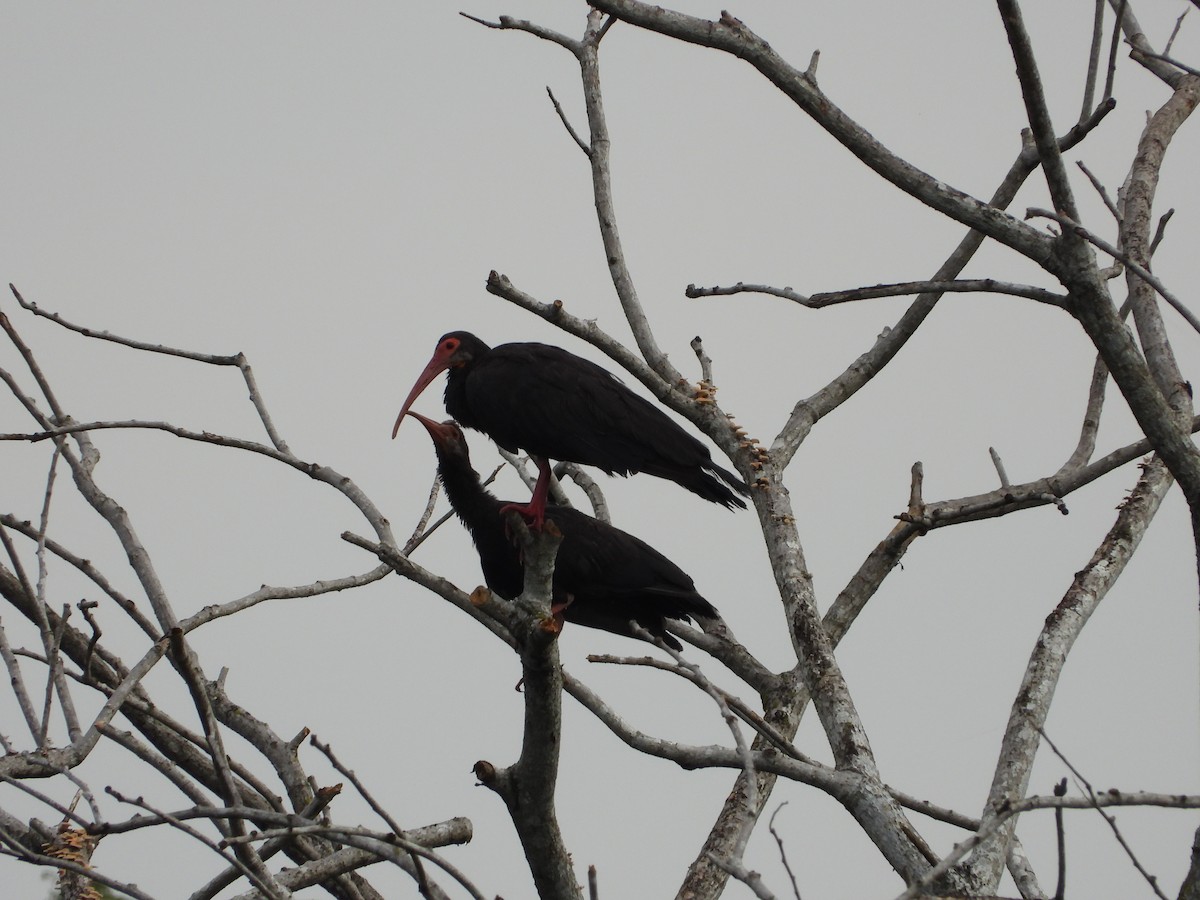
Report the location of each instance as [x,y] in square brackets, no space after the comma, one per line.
[1035,106]
[1032,703]
[809,411]
[1135,230]
[527,787]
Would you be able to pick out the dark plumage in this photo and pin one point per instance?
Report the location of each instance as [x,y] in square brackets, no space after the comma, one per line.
[603,577]
[555,405]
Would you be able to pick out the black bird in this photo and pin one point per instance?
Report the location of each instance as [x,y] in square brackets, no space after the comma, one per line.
[555,405]
[603,577]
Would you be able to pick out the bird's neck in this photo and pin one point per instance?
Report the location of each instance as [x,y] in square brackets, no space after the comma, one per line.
[456,397]
[472,502]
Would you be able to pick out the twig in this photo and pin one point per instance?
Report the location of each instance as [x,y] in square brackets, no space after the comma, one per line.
[916,489]
[330,476]
[605,202]
[260,405]
[496,617]
[917,888]
[181,825]
[53,672]
[1135,35]
[508,23]
[17,681]
[734,862]
[1161,231]
[811,71]
[18,568]
[590,487]
[418,539]
[1089,88]
[419,533]
[587,151]
[782,852]
[327,750]
[518,464]
[86,607]
[31,363]
[55,682]
[1112,251]
[1174,62]
[189,668]
[1111,820]
[719,642]
[41,859]
[382,847]
[806,413]
[1100,189]
[209,358]
[1086,446]
[267,592]
[85,566]
[588,329]
[999,464]
[1175,31]
[705,362]
[898,289]
[238,359]
[1112,50]
[1060,790]
[738,706]
[321,799]
[734,38]
[158,762]
[66,812]
[62,759]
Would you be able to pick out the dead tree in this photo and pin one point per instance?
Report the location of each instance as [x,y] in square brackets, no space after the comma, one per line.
[244,791]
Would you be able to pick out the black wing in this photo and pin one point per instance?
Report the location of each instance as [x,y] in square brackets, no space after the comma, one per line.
[599,563]
[551,403]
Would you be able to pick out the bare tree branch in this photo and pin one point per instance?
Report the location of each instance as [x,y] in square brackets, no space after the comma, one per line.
[819,301]
[528,786]
[1111,820]
[731,36]
[1033,699]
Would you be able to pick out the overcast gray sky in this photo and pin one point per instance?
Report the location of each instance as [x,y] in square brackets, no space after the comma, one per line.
[325,188]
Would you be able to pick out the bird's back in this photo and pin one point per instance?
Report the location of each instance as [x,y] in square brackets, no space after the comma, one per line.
[601,563]
[551,403]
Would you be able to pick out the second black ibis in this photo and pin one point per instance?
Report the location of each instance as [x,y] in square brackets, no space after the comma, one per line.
[603,577]
[555,405]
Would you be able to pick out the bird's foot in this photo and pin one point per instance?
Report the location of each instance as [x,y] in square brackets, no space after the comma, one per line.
[553,624]
[534,514]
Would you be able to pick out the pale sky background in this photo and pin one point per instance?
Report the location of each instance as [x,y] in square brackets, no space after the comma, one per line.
[325,188]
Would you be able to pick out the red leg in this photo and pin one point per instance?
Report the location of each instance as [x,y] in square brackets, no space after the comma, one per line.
[534,512]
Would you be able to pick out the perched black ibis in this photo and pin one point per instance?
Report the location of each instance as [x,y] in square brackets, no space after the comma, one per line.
[555,405]
[603,577]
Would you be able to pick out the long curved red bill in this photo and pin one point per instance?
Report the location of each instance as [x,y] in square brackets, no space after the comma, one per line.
[437,430]
[436,366]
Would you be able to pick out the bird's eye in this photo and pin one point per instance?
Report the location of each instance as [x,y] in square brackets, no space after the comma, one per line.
[450,345]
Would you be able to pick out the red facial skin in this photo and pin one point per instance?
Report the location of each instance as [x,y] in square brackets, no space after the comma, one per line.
[444,358]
